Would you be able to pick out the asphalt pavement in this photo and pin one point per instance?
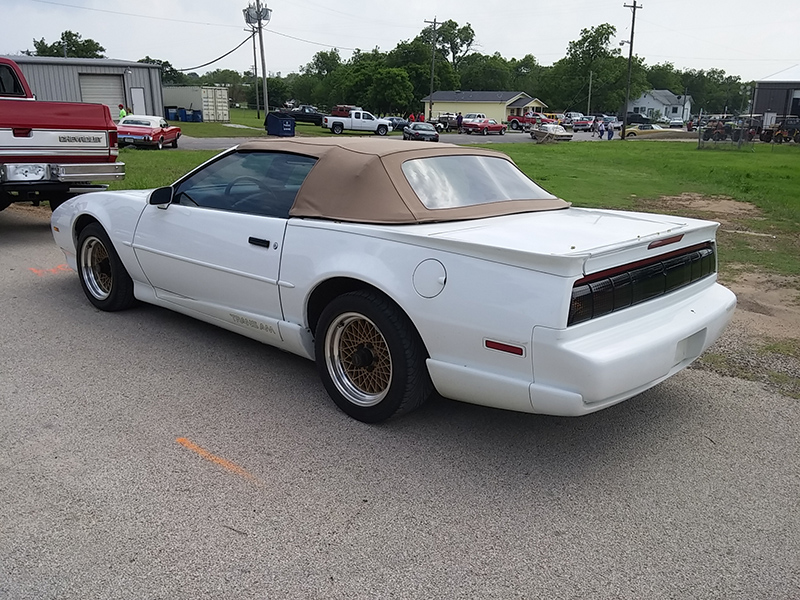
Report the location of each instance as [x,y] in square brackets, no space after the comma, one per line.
[144,454]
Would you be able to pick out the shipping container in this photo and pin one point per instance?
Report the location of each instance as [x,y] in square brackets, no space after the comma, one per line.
[210,100]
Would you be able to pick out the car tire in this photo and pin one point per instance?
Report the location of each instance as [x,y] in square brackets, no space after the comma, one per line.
[103,277]
[160,144]
[485,131]
[175,143]
[370,357]
[631,134]
[502,132]
[382,130]
[515,125]
[337,128]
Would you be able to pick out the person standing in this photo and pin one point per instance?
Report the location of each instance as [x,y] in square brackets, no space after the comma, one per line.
[459,120]
[601,129]
[411,118]
[122,112]
[610,129]
[593,126]
[421,118]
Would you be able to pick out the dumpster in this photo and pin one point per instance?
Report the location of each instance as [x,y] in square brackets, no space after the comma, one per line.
[197,116]
[182,114]
[278,124]
[172,114]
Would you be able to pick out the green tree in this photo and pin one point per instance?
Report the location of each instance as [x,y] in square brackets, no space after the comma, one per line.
[71,45]
[453,43]
[664,76]
[169,75]
[391,91]
[480,72]
[323,63]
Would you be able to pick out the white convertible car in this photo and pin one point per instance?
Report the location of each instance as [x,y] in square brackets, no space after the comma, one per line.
[404,267]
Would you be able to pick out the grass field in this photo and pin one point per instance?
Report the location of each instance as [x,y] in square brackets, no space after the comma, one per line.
[625,175]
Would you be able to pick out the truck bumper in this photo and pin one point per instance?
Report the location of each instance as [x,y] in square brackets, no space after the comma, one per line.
[37,173]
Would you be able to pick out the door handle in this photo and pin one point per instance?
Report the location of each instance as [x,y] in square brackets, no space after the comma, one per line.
[258,242]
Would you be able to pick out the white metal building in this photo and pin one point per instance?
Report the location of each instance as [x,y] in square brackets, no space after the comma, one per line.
[99,80]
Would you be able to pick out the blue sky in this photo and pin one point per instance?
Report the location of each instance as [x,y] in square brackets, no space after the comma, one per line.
[692,34]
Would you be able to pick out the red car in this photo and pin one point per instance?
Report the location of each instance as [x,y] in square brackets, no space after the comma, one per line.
[144,130]
[484,126]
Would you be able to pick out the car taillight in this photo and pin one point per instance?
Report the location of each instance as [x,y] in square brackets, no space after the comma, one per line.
[113,140]
[609,291]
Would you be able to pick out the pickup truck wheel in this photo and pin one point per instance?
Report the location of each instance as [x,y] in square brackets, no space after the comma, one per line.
[160,143]
[57,201]
[103,277]
[382,130]
[514,125]
[337,128]
[370,358]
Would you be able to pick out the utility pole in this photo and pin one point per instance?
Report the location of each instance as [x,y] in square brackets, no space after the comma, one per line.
[634,7]
[433,63]
[589,101]
[255,74]
[261,17]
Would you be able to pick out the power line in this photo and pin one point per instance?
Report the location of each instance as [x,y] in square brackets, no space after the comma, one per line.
[219,58]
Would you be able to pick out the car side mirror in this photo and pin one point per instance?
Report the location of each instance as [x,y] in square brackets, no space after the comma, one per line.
[161,197]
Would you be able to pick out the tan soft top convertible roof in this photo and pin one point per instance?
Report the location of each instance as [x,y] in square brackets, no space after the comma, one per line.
[361,180]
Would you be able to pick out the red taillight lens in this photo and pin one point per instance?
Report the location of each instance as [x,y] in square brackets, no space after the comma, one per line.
[113,139]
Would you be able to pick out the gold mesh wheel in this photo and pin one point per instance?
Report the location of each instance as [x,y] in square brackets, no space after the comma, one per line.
[96,268]
[358,359]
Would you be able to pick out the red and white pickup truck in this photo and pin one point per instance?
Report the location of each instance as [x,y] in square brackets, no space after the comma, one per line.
[51,150]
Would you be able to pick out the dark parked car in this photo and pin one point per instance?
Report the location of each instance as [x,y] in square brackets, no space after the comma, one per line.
[398,123]
[638,118]
[421,131]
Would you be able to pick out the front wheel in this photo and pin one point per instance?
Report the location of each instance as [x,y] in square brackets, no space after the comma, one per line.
[485,131]
[103,277]
[160,143]
[382,130]
[370,358]
[502,132]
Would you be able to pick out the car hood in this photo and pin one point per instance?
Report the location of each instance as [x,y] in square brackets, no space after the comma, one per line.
[571,241]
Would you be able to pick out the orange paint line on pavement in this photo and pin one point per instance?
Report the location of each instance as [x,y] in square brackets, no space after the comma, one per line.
[53,271]
[225,464]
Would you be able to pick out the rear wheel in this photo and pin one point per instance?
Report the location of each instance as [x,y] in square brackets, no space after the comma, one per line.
[485,131]
[160,143]
[103,277]
[515,125]
[337,128]
[502,132]
[175,143]
[370,358]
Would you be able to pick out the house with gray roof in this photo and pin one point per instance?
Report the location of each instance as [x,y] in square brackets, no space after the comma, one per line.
[667,104]
[495,105]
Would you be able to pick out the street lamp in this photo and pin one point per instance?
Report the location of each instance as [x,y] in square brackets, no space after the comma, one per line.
[257,16]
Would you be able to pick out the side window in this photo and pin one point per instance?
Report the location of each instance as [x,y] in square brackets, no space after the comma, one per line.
[368,117]
[259,183]
[163,124]
[9,84]
[357,115]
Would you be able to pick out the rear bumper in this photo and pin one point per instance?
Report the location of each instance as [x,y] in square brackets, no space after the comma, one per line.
[36,173]
[591,366]
[599,363]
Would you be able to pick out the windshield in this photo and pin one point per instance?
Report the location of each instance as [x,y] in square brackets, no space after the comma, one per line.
[455,181]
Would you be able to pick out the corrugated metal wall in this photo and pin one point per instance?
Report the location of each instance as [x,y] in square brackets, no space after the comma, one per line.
[60,81]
